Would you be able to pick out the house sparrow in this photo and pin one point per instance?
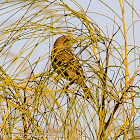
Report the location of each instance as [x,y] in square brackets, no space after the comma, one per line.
[65,63]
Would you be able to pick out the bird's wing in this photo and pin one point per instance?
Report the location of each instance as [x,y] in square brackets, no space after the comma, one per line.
[69,63]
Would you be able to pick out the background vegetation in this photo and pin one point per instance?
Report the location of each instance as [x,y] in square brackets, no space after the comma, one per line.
[34,101]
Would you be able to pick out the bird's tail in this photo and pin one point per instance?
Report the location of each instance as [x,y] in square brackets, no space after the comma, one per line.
[87,92]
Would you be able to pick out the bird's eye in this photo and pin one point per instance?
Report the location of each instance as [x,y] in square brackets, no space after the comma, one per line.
[66,40]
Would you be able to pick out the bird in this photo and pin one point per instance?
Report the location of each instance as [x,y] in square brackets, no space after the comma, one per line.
[66,64]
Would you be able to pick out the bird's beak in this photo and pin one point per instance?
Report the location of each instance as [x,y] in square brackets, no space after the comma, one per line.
[73,40]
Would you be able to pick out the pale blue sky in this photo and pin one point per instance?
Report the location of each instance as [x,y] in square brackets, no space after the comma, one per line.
[96,10]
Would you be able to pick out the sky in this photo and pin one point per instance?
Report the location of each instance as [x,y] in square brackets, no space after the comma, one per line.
[102,13]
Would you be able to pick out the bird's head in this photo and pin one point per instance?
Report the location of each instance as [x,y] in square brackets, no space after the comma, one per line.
[64,42]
